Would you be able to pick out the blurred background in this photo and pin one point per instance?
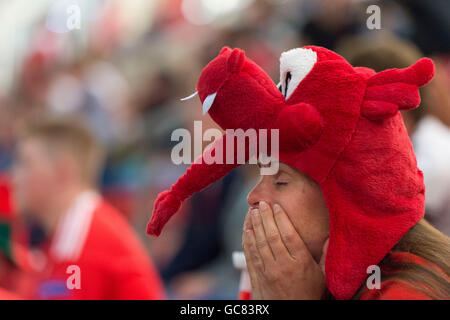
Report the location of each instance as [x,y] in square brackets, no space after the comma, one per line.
[124,68]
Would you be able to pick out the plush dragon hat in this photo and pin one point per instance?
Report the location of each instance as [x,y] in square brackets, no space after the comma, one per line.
[338,124]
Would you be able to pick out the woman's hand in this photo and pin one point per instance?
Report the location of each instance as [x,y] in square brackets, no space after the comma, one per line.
[278,261]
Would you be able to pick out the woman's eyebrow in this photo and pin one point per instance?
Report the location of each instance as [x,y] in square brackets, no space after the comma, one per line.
[280,172]
[287,170]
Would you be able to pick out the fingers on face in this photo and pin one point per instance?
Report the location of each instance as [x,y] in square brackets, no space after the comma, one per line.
[261,242]
[248,221]
[255,265]
[290,237]
[272,233]
[249,246]
[269,235]
[252,255]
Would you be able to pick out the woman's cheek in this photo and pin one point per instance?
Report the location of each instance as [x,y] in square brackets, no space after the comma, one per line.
[292,205]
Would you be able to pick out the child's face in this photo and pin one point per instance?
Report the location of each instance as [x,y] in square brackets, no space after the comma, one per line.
[301,199]
[35,176]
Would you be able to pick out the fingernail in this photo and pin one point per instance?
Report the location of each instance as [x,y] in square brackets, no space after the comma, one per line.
[263,205]
[255,212]
[276,207]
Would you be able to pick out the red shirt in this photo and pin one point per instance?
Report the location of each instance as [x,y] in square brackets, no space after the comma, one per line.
[93,254]
[397,289]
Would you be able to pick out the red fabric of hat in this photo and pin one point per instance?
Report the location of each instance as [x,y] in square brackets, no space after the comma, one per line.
[338,124]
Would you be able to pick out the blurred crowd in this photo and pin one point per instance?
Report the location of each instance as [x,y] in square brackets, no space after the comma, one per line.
[123,78]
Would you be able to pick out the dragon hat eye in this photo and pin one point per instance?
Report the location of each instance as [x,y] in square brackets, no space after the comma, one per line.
[295,64]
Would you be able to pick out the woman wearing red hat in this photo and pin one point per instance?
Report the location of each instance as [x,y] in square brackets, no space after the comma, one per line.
[285,242]
[347,173]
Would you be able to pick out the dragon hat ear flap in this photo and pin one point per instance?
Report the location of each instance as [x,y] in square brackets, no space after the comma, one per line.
[208,168]
[396,89]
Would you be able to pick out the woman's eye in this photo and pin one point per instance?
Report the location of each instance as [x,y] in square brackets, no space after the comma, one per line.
[279,183]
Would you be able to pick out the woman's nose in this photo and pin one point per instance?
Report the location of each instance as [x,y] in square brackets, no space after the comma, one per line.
[257,195]
[251,201]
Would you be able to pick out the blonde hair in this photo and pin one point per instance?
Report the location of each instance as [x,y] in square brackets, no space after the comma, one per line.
[72,137]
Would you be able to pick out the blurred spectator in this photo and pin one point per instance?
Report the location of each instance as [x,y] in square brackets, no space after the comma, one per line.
[9,267]
[431,27]
[6,134]
[55,172]
[329,20]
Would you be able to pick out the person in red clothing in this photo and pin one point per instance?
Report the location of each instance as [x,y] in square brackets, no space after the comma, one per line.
[338,212]
[8,267]
[90,251]
[289,232]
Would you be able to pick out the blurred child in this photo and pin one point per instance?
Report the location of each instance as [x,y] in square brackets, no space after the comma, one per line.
[90,251]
